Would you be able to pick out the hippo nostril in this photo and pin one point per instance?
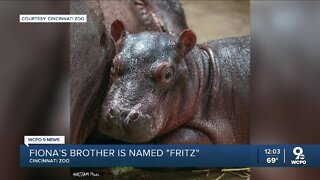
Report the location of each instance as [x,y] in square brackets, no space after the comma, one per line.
[112,112]
[134,116]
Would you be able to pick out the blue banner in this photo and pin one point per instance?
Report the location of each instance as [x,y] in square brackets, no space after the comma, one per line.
[170,155]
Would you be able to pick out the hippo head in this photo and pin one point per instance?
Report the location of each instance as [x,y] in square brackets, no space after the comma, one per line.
[151,89]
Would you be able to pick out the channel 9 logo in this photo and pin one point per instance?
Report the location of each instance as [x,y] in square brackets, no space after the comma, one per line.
[300,158]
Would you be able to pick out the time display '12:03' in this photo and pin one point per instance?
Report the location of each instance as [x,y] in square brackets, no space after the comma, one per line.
[272,151]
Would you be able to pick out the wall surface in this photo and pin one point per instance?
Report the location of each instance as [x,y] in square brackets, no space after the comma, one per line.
[217,19]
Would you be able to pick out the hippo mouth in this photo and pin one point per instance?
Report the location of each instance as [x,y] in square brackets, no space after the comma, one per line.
[98,137]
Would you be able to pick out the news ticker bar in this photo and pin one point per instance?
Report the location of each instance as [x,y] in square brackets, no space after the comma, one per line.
[66,155]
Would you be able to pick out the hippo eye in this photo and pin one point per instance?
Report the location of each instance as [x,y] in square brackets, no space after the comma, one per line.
[163,73]
[167,74]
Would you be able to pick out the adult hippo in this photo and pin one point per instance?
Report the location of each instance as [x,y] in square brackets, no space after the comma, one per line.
[164,89]
[92,50]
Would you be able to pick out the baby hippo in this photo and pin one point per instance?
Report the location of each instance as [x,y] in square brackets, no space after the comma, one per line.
[169,90]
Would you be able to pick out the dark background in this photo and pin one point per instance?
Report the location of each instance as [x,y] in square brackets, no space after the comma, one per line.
[285,56]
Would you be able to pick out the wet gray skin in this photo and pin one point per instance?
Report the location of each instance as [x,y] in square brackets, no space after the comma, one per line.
[169,90]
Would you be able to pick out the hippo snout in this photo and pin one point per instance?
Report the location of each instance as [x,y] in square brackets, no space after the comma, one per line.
[123,116]
[132,125]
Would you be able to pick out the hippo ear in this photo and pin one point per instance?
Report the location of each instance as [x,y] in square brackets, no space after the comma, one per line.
[187,41]
[117,30]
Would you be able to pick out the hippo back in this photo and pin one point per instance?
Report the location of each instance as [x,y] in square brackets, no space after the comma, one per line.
[229,105]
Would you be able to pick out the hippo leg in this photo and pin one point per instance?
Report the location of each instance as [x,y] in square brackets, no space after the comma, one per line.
[184,135]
